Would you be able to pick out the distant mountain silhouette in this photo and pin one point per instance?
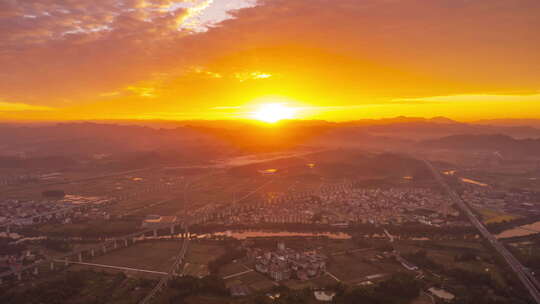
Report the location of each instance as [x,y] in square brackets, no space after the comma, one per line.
[495,142]
[127,144]
[510,122]
[105,146]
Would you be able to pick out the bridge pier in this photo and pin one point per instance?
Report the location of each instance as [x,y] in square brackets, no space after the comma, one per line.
[104,249]
[114,244]
[80,256]
[126,242]
[92,252]
[52,266]
[66,262]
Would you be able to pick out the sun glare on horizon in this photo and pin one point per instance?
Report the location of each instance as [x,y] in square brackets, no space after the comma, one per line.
[273,112]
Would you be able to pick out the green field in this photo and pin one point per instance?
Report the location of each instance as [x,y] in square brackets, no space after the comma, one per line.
[254,280]
[318,282]
[490,216]
[199,255]
[444,253]
[147,255]
[232,268]
[81,287]
[350,268]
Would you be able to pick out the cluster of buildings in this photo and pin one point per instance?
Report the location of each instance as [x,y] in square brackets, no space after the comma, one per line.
[514,202]
[21,179]
[384,206]
[20,212]
[16,212]
[343,204]
[15,260]
[18,179]
[286,263]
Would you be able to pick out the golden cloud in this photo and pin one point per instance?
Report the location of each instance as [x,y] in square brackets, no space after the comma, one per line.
[17,107]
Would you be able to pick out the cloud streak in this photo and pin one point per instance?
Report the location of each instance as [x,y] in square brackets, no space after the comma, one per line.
[474,98]
[18,107]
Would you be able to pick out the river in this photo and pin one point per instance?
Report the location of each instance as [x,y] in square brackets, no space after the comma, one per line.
[472,181]
[464,179]
[243,234]
[520,231]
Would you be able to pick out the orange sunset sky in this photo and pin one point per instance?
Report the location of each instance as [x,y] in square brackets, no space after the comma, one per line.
[222,59]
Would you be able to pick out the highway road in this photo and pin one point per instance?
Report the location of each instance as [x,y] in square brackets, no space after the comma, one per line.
[524,275]
[172,272]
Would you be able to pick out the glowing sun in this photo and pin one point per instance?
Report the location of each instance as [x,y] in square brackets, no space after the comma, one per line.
[273,112]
